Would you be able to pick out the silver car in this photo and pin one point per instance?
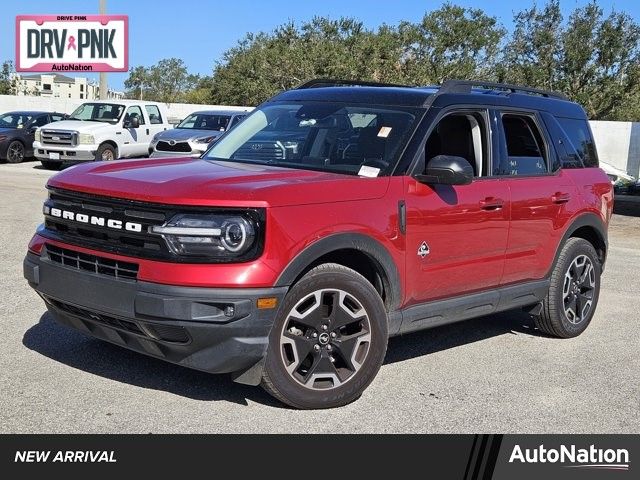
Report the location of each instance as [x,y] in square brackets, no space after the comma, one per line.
[193,135]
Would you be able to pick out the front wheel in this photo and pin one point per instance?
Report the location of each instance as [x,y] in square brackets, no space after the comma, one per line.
[15,152]
[328,341]
[573,291]
[106,152]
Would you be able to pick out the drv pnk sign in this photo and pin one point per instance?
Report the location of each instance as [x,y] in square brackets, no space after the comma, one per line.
[72,43]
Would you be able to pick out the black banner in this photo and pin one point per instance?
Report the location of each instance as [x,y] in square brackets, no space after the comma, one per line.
[463,457]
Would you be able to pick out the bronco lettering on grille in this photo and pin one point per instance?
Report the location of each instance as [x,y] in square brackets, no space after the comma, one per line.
[93,220]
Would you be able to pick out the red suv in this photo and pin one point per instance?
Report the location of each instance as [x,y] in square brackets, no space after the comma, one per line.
[334,216]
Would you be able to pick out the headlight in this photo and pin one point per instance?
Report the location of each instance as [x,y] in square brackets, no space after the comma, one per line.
[86,139]
[204,139]
[155,138]
[38,136]
[225,236]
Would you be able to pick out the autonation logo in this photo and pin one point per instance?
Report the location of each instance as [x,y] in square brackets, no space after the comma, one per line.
[574,457]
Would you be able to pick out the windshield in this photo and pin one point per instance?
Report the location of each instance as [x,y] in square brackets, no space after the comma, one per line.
[14,120]
[205,121]
[350,139]
[98,112]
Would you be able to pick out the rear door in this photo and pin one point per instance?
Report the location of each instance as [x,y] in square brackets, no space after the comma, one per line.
[457,235]
[543,197]
[156,121]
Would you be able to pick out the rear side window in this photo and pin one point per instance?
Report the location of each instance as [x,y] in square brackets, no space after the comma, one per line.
[526,153]
[579,134]
[154,114]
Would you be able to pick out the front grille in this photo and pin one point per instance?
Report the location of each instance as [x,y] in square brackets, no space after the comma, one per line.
[93,231]
[176,147]
[59,138]
[264,151]
[165,333]
[98,237]
[92,263]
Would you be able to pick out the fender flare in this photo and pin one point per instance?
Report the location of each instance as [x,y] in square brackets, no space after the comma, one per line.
[340,241]
[585,220]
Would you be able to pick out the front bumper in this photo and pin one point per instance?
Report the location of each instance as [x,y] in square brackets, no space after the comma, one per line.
[67,154]
[183,325]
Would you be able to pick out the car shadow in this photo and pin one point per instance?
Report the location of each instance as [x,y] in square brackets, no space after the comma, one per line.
[425,342]
[97,357]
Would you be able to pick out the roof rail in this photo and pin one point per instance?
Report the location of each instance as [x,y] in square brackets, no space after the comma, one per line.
[465,86]
[331,82]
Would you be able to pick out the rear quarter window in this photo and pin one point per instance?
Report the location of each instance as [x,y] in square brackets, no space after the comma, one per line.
[579,134]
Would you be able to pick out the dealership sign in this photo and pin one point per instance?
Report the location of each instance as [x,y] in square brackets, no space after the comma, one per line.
[72,43]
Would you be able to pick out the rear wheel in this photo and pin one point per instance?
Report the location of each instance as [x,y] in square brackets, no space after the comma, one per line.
[15,152]
[328,341]
[573,291]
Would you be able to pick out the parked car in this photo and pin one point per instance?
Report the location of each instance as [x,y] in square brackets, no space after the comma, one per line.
[17,131]
[194,134]
[101,130]
[622,182]
[380,210]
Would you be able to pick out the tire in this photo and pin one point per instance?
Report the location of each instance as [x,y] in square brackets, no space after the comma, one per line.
[15,152]
[573,293]
[49,165]
[105,152]
[309,367]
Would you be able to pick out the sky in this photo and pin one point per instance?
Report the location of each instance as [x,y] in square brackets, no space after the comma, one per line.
[199,31]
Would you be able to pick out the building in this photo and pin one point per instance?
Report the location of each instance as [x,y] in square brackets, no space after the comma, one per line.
[54,85]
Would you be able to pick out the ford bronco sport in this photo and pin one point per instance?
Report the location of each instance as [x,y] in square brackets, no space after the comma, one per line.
[334,216]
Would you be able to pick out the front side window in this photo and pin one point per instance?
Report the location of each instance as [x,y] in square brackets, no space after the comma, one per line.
[526,152]
[460,134]
[98,112]
[343,138]
[132,112]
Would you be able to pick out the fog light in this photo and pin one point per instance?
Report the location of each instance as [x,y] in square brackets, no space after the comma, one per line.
[229,311]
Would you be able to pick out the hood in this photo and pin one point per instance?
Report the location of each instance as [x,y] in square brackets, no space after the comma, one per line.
[186,181]
[78,125]
[179,134]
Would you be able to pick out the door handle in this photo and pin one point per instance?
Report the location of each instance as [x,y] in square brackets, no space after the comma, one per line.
[491,203]
[560,197]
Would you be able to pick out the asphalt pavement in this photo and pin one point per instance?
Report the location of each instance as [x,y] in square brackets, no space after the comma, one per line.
[493,374]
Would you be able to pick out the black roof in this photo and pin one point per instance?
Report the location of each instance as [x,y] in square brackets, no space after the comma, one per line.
[451,92]
[27,112]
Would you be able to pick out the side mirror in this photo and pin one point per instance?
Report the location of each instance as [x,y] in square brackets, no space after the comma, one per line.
[447,170]
[133,122]
[32,130]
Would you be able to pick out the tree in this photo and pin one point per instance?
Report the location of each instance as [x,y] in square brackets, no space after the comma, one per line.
[593,58]
[451,42]
[167,81]
[6,78]
[136,82]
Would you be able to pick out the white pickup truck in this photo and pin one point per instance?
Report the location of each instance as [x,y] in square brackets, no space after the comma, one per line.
[101,130]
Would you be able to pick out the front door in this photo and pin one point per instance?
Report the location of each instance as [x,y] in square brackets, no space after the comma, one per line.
[456,235]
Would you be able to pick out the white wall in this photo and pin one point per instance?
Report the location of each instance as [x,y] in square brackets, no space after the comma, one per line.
[177,111]
[618,144]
